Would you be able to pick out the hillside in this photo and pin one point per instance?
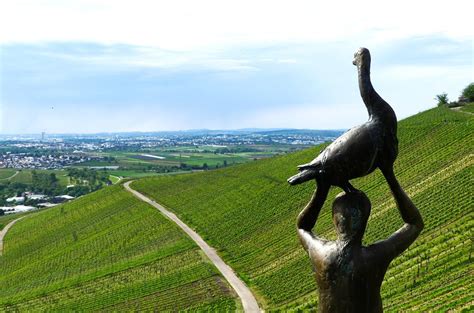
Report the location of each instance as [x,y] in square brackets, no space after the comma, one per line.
[248,213]
[106,251]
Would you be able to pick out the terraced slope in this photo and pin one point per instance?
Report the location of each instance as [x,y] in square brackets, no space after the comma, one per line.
[248,212]
[469,108]
[106,251]
[5,219]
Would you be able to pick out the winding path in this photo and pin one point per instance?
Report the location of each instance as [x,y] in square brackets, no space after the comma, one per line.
[249,302]
[4,231]
[119,179]
[458,109]
[8,178]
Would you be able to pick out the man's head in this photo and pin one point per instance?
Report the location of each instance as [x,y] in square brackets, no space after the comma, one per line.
[350,212]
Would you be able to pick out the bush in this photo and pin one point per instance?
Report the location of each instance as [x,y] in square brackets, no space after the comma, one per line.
[453,104]
[442,99]
[467,94]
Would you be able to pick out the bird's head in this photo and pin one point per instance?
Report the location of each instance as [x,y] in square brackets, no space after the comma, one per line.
[361,57]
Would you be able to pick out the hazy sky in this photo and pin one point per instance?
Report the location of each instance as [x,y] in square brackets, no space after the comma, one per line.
[95,65]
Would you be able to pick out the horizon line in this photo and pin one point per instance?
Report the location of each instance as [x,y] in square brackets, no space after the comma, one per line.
[173,131]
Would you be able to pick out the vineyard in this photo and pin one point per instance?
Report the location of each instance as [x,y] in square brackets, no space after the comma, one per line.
[26,176]
[106,251]
[248,213]
[468,108]
[5,219]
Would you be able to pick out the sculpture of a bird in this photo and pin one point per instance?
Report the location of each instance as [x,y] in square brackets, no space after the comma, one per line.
[360,150]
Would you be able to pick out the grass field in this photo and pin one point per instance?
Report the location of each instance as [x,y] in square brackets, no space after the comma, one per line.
[468,108]
[25,176]
[248,213]
[191,156]
[131,174]
[6,173]
[140,160]
[114,179]
[106,251]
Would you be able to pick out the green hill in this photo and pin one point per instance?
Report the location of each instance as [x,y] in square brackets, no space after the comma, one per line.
[109,251]
[248,213]
[106,251]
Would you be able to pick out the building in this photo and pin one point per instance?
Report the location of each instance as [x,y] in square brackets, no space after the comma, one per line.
[17,209]
[16,199]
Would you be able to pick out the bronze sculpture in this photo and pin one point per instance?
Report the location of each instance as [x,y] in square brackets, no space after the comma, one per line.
[348,274]
[360,150]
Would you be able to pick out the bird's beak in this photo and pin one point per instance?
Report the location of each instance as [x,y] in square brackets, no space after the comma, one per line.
[354,62]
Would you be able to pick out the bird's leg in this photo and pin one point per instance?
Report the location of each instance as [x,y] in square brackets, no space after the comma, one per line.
[389,174]
[348,188]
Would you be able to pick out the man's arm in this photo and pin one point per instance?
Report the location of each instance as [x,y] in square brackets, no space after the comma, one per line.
[404,237]
[308,217]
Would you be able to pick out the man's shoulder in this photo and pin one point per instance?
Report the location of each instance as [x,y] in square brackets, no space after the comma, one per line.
[377,253]
[310,239]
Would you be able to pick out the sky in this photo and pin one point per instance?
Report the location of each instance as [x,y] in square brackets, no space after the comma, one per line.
[87,66]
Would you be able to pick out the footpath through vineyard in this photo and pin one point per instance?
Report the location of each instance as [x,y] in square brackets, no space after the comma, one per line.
[249,302]
[4,231]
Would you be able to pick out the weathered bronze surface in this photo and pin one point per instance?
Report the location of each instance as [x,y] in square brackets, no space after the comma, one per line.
[360,150]
[348,274]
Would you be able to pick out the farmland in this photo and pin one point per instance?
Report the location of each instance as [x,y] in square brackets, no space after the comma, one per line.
[85,163]
[136,164]
[106,251]
[6,173]
[248,213]
[26,176]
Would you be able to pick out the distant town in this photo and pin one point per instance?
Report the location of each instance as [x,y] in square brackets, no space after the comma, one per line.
[34,161]
[43,170]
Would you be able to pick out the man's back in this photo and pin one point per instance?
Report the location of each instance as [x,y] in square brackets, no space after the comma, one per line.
[348,274]
[349,278]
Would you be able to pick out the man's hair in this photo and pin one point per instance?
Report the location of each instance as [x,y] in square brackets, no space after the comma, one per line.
[354,207]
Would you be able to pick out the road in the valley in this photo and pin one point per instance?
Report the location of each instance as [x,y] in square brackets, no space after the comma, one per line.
[249,302]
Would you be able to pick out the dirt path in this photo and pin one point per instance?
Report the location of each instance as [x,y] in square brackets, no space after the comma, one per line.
[8,178]
[249,302]
[458,109]
[119,179]
[4,231]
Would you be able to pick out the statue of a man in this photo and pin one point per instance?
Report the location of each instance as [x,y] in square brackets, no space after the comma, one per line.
[348,274]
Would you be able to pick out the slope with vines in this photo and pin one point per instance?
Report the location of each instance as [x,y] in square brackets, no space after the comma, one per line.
[248,212]
[106,251]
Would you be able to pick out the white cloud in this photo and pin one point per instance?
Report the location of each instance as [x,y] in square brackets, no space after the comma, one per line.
[157,58]
[221,35]
[194,25]
[312,116]
[400,72]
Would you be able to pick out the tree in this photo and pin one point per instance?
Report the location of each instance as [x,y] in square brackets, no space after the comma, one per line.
[467,94]
[442,99]
[45,183]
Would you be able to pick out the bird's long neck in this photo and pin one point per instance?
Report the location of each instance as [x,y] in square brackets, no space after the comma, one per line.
[367,91]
